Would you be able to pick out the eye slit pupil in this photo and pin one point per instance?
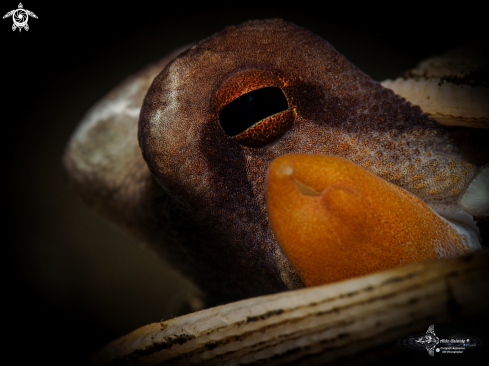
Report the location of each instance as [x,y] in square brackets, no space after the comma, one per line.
[250,108]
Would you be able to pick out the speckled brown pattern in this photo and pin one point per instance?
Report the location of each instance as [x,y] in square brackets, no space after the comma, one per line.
[218,184]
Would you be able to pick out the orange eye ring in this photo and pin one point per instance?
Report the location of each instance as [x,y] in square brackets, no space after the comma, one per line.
[243,81]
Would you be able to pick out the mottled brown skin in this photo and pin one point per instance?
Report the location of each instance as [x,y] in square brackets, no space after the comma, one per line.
[216,185]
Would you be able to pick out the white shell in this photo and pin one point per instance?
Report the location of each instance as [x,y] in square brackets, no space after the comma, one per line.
[475,199]
[356,319]
[462,102]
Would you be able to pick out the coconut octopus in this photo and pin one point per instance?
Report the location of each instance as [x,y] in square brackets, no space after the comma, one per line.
[270,163]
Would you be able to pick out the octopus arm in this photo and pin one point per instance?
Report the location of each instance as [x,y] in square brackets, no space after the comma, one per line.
[335,220]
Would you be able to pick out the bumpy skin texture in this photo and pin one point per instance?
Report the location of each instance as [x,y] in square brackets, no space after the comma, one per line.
[216,185]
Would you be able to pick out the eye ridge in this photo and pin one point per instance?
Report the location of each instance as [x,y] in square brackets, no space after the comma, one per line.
[250,108]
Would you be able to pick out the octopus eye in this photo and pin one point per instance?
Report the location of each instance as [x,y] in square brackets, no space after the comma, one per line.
[250,108]
[253,108]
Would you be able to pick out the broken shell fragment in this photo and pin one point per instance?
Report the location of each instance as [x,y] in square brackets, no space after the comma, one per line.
[335,220]
[448,104]
[475,198]
[452,88]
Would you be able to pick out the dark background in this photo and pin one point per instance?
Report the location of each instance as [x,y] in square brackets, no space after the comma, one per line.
[72,282]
